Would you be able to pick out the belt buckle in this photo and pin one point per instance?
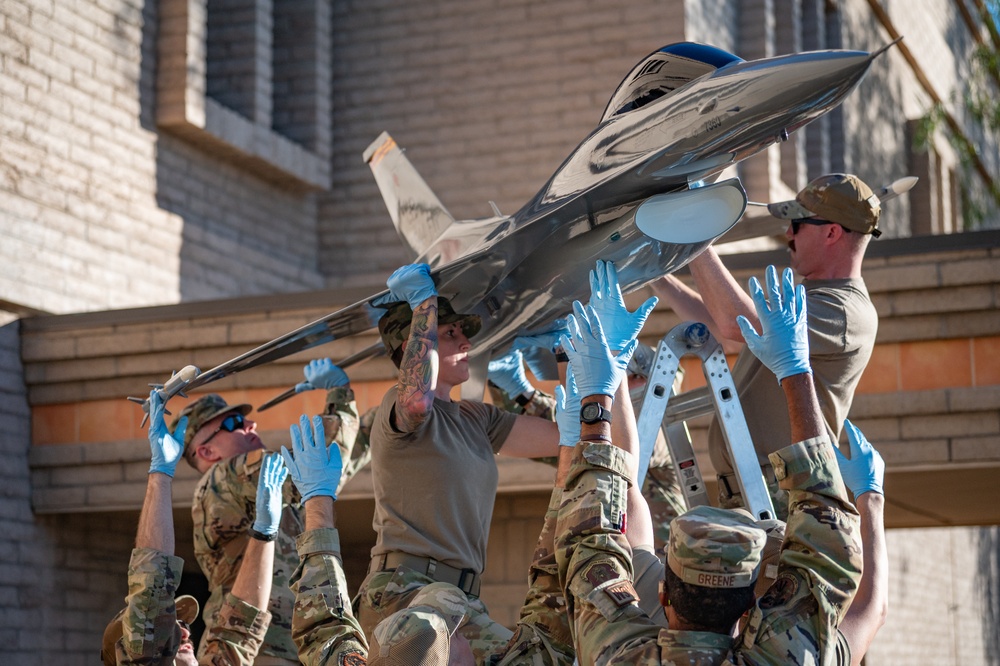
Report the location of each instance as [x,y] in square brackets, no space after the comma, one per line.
[471,574]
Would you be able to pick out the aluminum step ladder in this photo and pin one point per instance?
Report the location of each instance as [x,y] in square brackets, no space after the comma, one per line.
[719,395]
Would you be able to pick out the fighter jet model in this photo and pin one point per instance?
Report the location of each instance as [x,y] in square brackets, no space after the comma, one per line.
[637,191]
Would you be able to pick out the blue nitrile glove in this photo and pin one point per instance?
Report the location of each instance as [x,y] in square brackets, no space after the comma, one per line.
[411,283]
[864,471]
[596,369]
[272,476]
[568,411]
[315,467]
[545,340]
[507,372]
[166,448]
[783,345]
[321,373]
[620,325]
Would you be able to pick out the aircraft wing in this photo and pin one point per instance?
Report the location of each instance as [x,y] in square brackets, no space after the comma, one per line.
[476,269]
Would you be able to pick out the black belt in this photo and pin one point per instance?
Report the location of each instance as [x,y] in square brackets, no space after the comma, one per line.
[466,580]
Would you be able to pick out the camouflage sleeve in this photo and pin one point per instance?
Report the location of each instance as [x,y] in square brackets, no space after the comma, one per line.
[820,563]
[542,636]
[150,634]
[353,434]
[237,637]
[594,562]
[323,627]
[223,509]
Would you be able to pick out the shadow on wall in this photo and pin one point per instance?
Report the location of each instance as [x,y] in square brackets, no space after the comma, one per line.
[988,580]
[239,234]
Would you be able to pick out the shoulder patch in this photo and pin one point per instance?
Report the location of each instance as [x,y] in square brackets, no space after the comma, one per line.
[781,591]
[352,659]
[601,573]
[621,593]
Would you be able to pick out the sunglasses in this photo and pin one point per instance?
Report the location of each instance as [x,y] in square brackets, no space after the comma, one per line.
[815,221]
[231,423]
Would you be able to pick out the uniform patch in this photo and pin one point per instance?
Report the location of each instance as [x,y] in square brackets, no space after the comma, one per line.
[621,593]
[601,573]
[353,659]
[782,589]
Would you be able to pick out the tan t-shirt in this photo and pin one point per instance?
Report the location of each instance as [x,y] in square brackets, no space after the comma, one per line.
[842,328]
[435,487]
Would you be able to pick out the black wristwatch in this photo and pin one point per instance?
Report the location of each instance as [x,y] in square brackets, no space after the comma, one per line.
[593,412]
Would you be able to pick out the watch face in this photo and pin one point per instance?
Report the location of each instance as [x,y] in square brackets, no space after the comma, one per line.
[590,412]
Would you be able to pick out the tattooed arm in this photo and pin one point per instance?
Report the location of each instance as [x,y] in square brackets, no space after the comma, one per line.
[418,368]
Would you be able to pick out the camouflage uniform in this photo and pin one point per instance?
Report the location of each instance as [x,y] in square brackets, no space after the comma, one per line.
[150,634]
[661,488]
[542,636]
[795,622]
[386,592]
[224,508]
[323,626]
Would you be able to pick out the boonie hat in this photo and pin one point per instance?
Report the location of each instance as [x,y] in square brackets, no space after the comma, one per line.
[839,197]
[713,547]
[200,412]
[420,635]
[187,612]
[394,326]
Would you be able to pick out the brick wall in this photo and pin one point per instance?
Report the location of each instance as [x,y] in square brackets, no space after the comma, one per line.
[98,209]
[488,100]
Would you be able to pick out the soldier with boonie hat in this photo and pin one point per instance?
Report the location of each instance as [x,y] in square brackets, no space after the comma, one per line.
[394,326]
[200,412]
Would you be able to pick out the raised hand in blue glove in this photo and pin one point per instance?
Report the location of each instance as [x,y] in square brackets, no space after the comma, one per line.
[595,367]
[272,476]
[568,411]
[545,340]
[321,373]
[166,448]
[864,471]
[620,325]
[783,345]
[507,372]
[314,466]
[411,283]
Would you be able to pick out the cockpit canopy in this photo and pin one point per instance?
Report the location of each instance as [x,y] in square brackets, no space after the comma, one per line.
[662,72]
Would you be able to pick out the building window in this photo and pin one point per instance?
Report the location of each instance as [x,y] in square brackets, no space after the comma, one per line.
[249,80]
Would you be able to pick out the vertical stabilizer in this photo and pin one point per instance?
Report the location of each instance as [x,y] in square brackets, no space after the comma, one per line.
[416,212]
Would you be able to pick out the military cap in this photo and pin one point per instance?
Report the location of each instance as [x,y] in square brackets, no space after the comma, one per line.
[187,612]
[394,326]
[200,412]
[713,547]
[839,197]
[420,634]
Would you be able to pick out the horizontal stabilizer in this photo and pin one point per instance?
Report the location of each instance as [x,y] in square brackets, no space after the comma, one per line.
[416,212]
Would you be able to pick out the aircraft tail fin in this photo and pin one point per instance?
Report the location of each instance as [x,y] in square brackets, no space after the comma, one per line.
[416,212]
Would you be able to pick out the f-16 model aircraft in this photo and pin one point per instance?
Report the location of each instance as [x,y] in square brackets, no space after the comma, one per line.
[637,191]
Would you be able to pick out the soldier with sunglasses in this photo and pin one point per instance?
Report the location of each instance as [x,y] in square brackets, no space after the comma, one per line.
[831,222]
[222,443]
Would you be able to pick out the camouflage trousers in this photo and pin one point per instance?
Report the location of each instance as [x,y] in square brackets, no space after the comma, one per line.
[385,592]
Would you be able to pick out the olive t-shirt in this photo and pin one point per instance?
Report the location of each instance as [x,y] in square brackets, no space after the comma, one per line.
[435,487]
[842,327]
